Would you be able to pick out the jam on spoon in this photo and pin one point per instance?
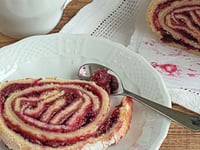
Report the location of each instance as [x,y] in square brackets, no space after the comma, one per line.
[105,80]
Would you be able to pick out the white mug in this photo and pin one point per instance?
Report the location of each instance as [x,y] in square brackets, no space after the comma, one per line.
[22,18]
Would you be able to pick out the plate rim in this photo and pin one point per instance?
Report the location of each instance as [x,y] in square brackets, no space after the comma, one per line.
[155,144]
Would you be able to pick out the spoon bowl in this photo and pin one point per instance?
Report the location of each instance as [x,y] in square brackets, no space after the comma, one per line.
[87,70]
[189,121]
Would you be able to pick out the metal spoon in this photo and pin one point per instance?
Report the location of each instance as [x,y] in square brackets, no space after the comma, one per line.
[187,120]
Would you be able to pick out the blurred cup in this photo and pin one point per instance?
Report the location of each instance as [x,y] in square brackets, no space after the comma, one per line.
[22,18]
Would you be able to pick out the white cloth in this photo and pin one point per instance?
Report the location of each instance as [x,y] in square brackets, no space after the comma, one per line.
[123,21]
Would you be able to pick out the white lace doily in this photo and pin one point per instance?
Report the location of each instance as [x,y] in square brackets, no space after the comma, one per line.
[113,20]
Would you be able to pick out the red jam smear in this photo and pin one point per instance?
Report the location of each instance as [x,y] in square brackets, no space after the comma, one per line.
[105,80]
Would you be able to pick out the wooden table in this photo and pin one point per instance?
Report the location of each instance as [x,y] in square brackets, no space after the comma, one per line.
[178,137]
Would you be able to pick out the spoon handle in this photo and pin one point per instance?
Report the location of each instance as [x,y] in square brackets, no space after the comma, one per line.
[189,121]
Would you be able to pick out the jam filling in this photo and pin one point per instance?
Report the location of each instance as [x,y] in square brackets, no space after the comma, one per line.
[29,113]
[187,35]
[168,37]
[103,129]
[105,80]
[110,122]
[4,94]
[55,107]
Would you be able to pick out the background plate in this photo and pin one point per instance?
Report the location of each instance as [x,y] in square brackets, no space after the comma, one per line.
[60,55]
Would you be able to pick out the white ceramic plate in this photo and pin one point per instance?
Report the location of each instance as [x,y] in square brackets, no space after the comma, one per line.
[60,55]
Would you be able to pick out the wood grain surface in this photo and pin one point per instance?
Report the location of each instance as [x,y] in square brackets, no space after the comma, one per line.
[178,137]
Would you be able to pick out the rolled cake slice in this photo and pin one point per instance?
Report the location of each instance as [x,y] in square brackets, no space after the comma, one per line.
[54,114]
[176,22]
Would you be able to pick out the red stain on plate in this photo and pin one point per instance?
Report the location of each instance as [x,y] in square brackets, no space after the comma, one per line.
[176,53]
[159,52]
[190,69]
[150,42]
[192,72]
[170,69]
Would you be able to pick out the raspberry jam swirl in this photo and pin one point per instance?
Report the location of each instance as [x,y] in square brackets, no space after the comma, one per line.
[177,22]
[55,113]
[43,112]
